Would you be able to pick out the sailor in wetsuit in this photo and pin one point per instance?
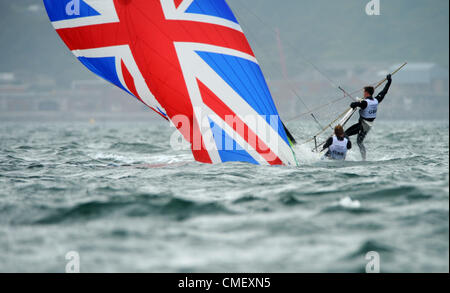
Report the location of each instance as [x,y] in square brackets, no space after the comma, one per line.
[368,114]
[337,145]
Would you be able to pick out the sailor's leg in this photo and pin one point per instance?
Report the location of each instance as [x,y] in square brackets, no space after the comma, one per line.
[353,130]
[360,140]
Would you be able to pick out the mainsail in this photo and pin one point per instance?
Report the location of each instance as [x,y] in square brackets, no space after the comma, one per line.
[181,58]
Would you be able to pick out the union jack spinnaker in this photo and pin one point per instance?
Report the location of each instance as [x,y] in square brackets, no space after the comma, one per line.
[181,58]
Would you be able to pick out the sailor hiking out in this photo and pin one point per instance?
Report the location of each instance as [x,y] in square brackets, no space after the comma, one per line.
[367,114]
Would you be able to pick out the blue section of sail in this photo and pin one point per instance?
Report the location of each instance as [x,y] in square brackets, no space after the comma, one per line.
[247,79]
[104,67]
[68,9]
[229,149]
[162,112]
[218,8]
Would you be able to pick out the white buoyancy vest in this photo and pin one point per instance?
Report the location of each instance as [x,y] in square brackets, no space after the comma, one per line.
[370,112]
[338,150]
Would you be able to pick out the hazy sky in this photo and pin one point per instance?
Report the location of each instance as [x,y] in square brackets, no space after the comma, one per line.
[317,31]
[320,30]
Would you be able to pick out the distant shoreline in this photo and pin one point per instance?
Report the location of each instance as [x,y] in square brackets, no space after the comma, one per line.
[44,116]
[77,117]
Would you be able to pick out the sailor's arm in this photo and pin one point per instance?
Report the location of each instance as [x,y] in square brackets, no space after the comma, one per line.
[384,92]
[327,144]
[362,105]
[349,144]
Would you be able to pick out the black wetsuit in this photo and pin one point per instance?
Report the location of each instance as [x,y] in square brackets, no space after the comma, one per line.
[358,127]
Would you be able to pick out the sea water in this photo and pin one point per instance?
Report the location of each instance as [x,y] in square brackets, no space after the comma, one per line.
[119,197]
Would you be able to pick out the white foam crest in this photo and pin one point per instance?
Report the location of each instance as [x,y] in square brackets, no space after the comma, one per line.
[348,202]
[151,159]
[305,155]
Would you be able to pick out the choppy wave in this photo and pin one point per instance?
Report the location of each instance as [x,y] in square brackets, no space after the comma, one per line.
[122,197]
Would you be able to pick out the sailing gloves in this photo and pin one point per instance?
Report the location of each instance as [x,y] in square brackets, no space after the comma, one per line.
[354,105]
[389,78]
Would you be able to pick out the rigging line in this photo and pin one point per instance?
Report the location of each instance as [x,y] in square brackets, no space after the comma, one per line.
[325,128]
[331,102]
[317,121]
[305,59]
[267,106]
[186,31]
[250,32]
[345,93]
[247,74]
[296,94]
[307,108]
[292,47]
[320,107]
[350,109]
[350,115]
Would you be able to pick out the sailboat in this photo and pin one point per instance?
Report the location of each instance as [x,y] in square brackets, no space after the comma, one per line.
[345,117]
[191,63]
